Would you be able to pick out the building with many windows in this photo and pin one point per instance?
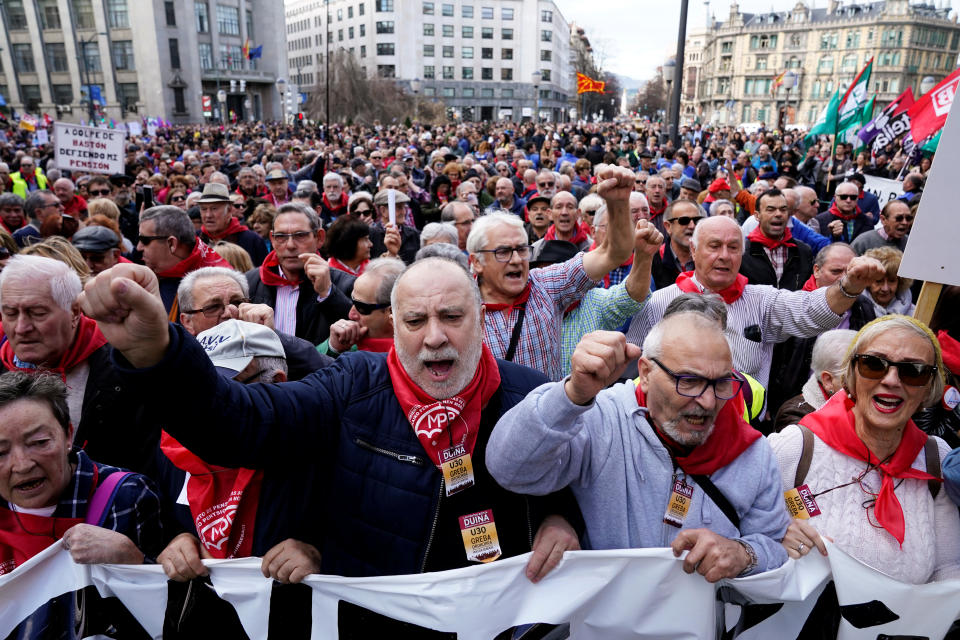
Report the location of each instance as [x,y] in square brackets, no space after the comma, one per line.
[477,56]
[141,58]
[824,48]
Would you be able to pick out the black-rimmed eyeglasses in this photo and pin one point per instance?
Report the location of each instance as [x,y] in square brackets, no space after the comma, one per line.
[692,386]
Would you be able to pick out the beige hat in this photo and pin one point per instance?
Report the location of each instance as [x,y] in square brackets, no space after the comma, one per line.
[277,174]
[381,199]
[214,192]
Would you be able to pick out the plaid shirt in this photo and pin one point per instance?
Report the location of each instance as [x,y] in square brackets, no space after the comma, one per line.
[778,258]
[601,309]
[552,290]
[617,276]
[135,511]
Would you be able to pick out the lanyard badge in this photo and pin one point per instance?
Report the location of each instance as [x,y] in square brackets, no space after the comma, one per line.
[457,468]
[801,503]
[679,503]
[480,536]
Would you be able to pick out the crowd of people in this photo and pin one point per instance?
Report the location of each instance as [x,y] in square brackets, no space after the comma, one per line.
[370,351]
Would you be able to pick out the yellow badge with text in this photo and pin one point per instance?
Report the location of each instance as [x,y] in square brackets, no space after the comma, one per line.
[457,469]
[801,503]
[480,536]
[679,503]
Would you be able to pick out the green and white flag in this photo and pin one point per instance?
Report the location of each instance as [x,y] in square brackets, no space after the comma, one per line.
[826,123]
[854,99]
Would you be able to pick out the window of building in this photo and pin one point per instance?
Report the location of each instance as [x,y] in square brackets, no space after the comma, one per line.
[853,39]
[427,29]
[506,74]
[746,114]
[363,30]
[466,32]
[250,25]
[202,17]
[468,92]
[174,53]
[849,63]
[123,55]
[794,63]
[129,95]
[339,35]
[545,75]
[545,94]
[49,14]
[428,8]
[466,52]
[23,58]
[761,63]
[429,91]
[361,9]
[428,51]
[206,55]
[825,65]
[447,51]
[448,92]
[386,49]
[546,55]
[385,26]
[506,34]
[466,11]
[815,89]
[363,51]
[447,30]
[82,11]
[350,33]
[486,13]
[89,51]
[170,12]
[546,35]
[546,15]
[486,53]
[228,20]
[506,54]
[796,41]
[506,93]
[506,13]
[486,33]
[179,103]
[56,57]
[486,93]
[349,13]
[446,10]
[31,96]
[387,70]
[117,15]
[763,42]
[466,73]
[17,15]
[891,38]
[726,47]
[62,93]
[447,73]
[340,15]
[486,73]
[382,6]
[429,72]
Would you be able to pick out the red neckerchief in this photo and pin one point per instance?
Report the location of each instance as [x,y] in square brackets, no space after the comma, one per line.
[810,284]
[273,278]
[222,501]
[731,436]
[9,230]
[655,212]
[951,351]
[232,228]
[23,535]
[626,263]
[88,339]
[760,238]
[341,206]
[580,235]
[730,295]
[846,218]
[375,345]
[336,264]
[510,306]
[460,413]
[201,256]
[834,424]
[528,191]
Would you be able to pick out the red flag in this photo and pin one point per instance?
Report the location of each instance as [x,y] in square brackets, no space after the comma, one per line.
[929,113]
[585,84]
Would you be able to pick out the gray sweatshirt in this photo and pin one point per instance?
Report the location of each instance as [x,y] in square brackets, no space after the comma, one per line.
[622,475]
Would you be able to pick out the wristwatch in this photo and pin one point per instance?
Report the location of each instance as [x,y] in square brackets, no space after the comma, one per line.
[751,553]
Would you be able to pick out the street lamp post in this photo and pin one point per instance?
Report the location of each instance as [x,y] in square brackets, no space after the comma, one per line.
[222,99]
[669,68]
[86,72]
[535,78]
[282,90]
[928,82]
[678,75]
[415,85]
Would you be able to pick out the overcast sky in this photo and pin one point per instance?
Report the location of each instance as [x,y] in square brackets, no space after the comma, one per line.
[638,35]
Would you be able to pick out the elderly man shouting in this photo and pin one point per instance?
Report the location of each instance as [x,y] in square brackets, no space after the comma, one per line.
[399,440]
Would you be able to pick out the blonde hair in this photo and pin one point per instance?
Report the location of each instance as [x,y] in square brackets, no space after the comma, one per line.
[104,207]
[236,255]
[59,248]
[890,258]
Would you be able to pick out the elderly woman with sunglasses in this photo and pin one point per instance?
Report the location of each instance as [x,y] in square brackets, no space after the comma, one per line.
[862,473]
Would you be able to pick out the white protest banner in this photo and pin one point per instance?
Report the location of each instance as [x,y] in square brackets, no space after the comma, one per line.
[135,128]
[42,136]
[89,148]
[932,248]
[604,595]
[885,189]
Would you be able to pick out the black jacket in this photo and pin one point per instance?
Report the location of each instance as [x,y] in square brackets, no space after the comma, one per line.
[758,269]
[409,242]
[313,318]
[861,224]
[664,267]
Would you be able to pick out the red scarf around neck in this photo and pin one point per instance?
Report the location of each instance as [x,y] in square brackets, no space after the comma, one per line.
[510,306]
[223,501]
[87,340]
[810,284]
[730,295]
[655,212]
[579,234]
[201,256]
[834,423]
[232,228]
[760,238]
[951,351]
[441,424]
[273,278]
[336,264]
[731,436]
[845,217]
[375,345]
[342,204]
[23,535]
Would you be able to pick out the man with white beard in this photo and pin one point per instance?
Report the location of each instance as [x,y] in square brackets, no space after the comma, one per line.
[398,440]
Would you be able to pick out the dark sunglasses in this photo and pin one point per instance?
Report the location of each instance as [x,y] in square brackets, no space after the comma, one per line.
[366,308]
[216,309]
[238,205]
[901,218]
[99,193]
[178,198]
[145,240]
[685,220]
[914,374]
[358,211]
[847,196]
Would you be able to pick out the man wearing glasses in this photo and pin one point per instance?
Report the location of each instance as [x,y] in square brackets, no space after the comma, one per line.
[845,211]
[524,307]
[896,220]
[659,461]
[674,257]
[45,214]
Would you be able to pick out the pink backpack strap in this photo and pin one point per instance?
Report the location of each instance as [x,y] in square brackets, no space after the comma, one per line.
[103,497]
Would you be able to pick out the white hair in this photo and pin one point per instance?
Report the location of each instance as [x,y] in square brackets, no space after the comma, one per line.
[477,239]
[590,201]
[829,350]
[65,284]
[185,290]
[332,175]
[438,229]
[636,195]
[725,220]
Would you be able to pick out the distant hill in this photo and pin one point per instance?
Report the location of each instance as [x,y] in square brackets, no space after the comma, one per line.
[630,84]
